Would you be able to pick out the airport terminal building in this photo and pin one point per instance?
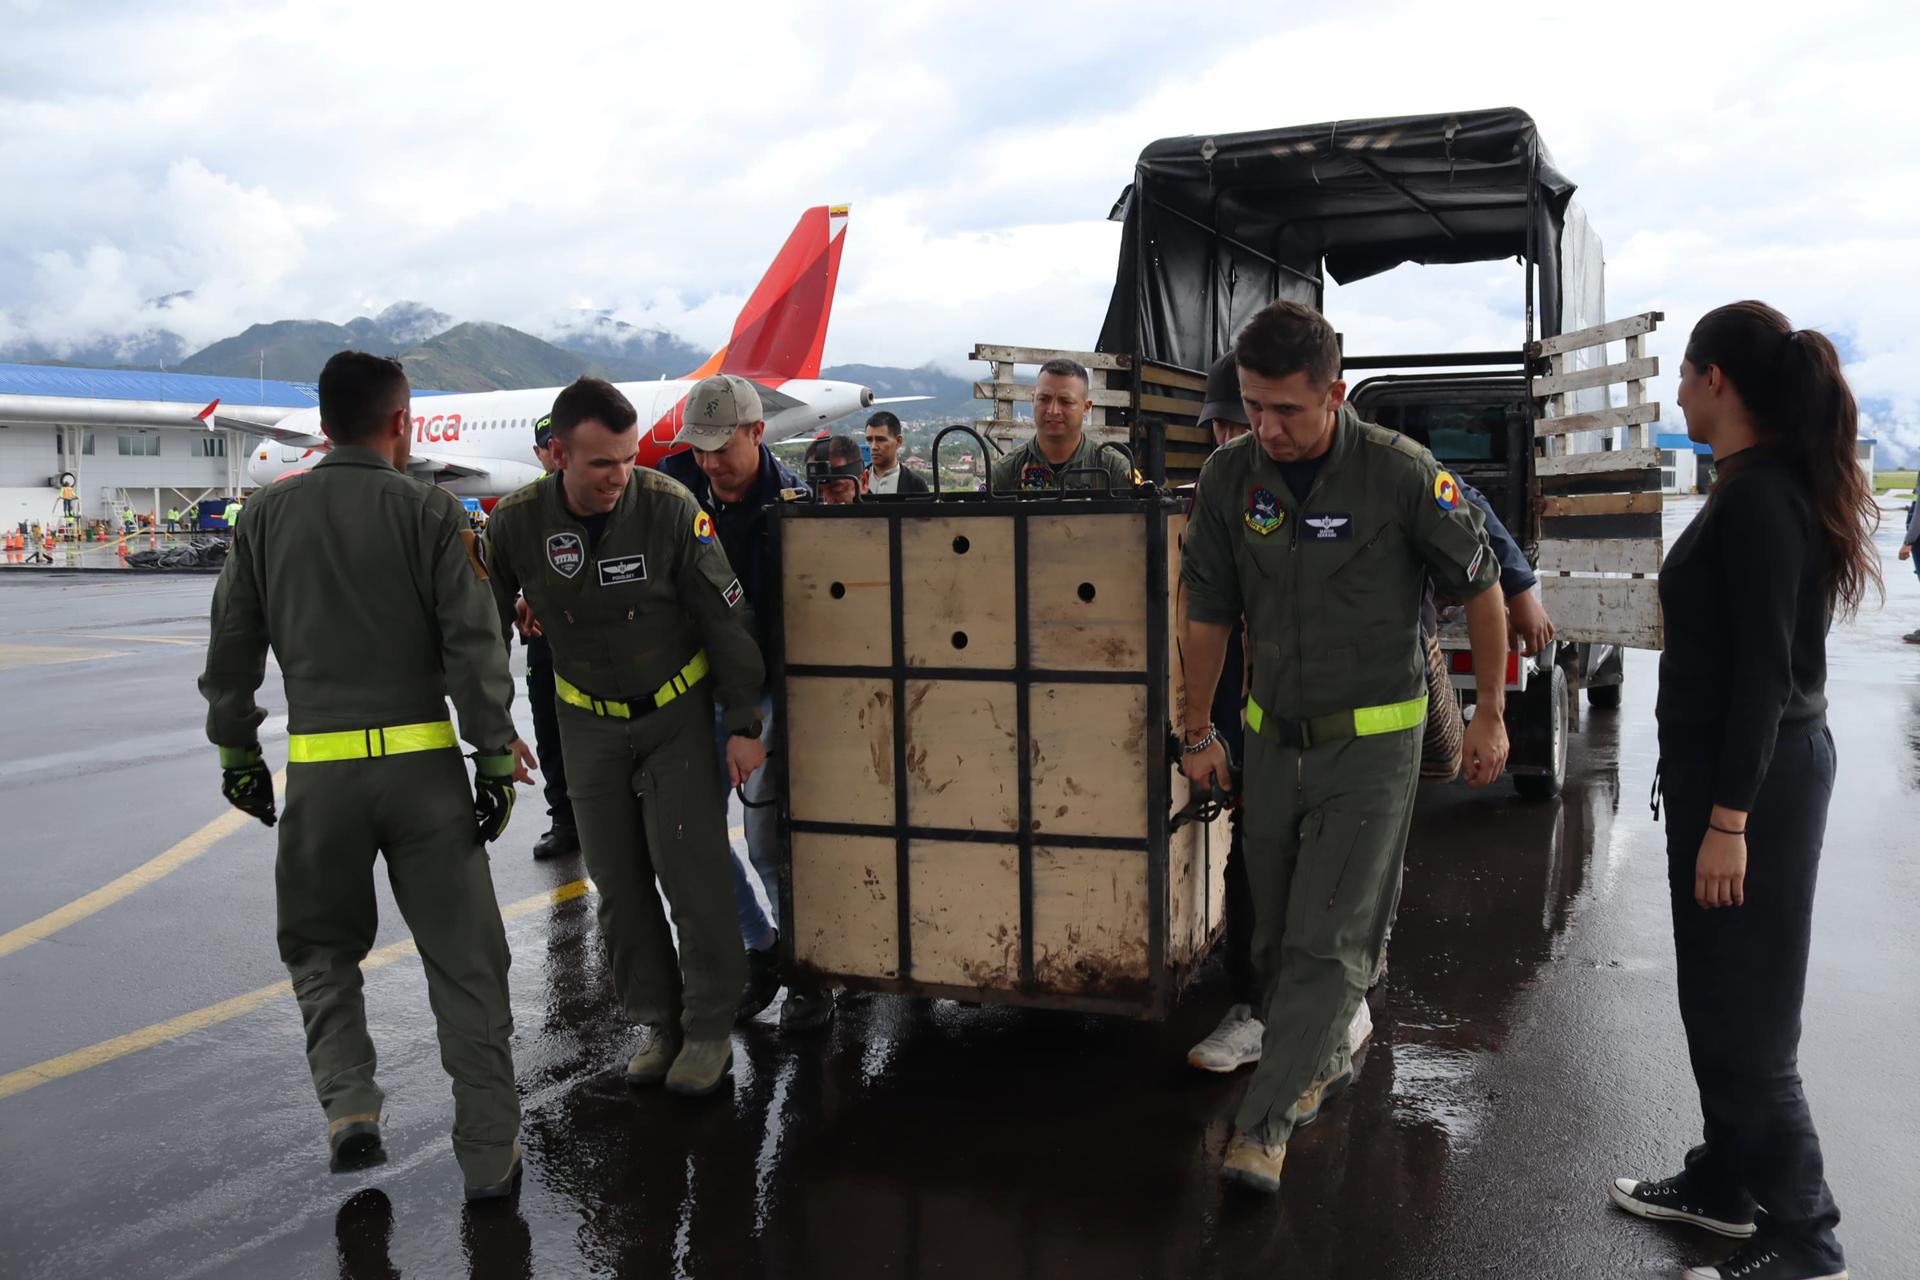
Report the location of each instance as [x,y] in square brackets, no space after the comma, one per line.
[127,437]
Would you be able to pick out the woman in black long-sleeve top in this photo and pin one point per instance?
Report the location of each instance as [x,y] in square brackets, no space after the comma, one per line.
[1747,764]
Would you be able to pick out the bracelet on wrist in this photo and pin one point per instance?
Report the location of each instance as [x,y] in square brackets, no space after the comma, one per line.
[1725,831]
[1205,740]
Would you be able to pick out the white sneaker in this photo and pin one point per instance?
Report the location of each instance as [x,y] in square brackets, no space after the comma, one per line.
[1360,1030]
[1233,1044]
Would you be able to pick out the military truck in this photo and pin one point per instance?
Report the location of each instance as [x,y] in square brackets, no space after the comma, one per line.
[1214,228]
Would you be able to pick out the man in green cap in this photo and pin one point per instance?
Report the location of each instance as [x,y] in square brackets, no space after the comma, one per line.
[376,620]
[1060,455]
[1321,530]
[649,628]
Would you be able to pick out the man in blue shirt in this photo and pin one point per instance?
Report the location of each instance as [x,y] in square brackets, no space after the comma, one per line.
[736,478]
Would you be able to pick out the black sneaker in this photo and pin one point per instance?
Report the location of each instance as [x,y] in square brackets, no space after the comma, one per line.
[763,980]
[1674,1200]
[562,838]
[1760,1260]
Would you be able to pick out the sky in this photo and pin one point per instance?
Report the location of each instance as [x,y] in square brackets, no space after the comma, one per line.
[517,163]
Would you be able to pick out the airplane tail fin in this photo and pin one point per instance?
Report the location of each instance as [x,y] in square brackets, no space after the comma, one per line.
[782,330]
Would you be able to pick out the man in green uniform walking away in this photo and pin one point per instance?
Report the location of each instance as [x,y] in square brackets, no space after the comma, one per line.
[1321,530]
[368,588]
[1060,455]
[649,628]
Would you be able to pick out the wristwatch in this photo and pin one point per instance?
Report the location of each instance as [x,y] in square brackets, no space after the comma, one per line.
[751,731]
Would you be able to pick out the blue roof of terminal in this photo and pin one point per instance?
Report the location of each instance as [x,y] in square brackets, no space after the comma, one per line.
[133,384]
[1680,440]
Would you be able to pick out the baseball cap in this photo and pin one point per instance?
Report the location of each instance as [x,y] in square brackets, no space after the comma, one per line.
[543,431]
[714,408]
[1223,393]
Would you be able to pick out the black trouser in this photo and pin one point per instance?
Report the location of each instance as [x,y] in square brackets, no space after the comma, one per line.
[546,730]
[1742,975]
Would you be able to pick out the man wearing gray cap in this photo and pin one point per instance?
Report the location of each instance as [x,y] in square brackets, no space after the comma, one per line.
[649,629]
[735,478]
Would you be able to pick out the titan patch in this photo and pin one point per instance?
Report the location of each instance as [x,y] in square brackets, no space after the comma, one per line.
[1331,526]
[733,593]
[624,570]
[566,552]
[1446,492]
[1263,511]
[703,528]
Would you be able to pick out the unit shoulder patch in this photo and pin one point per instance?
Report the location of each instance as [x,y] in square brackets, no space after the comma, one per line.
[1446,491]
[702,528]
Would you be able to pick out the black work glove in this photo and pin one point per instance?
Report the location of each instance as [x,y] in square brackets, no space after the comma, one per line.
[492,793]
[247,783]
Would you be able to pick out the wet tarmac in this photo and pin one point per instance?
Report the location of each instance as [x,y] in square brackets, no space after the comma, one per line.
[156,1118]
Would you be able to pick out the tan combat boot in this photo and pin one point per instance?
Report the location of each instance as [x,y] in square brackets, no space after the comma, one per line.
[650,1065]
[1318,1094]
[702,1067]
[1253,1163]
[502,1188]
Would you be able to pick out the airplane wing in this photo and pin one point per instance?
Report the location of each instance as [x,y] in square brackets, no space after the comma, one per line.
[264,430]
[900,399]
[442,466]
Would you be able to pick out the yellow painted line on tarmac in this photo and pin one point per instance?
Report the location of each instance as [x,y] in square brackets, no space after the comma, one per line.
[138,878]
[197,642]
[159,1033]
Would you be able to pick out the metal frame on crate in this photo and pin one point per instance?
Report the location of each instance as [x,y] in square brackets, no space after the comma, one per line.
[1162,986]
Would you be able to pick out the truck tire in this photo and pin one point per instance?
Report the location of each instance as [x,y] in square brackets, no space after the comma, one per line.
[1604,697]
[1552,703]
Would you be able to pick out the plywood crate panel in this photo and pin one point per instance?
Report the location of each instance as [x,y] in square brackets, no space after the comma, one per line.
[964,902]
[847,917]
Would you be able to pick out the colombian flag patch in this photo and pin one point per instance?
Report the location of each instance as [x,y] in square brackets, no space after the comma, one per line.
[703,528]
[1446,492]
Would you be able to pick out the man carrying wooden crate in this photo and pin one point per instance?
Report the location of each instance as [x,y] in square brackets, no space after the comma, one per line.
[1320,530]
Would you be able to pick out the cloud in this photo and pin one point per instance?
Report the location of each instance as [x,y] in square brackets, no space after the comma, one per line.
[282,160]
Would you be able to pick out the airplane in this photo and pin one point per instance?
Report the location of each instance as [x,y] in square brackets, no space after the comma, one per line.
[480,444]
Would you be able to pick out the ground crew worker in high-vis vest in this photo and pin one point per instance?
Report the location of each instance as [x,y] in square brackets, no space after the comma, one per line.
[373,598]
[231,514]
[649,627]
[1321,530]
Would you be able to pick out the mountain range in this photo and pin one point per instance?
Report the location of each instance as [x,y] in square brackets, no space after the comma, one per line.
[474,355]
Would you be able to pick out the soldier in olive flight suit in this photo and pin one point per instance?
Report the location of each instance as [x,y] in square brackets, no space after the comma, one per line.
[1321,530]
[649,627]
[1060,455]
[366,585]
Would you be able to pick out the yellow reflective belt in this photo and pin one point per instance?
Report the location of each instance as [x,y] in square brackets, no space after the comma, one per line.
[367,744]
[688,676]
[1362,722]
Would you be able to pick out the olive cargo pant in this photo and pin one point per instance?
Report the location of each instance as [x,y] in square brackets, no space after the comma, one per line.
[1326,836]
[650,802]
[417,810]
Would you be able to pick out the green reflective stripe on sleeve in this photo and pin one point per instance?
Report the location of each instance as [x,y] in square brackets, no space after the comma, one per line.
[366,744]
[239,757]
[1392,718]
[500,766]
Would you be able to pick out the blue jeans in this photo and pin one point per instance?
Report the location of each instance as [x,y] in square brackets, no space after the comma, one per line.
[763,836]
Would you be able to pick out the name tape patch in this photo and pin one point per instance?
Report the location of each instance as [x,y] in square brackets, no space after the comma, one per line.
[1330,526]
[623,570]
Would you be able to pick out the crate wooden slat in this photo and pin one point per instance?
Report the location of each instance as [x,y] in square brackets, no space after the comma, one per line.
[1606,460]
[1598,335]
[1023,392]
[1623,611]
[1600,555]
[1603,504]
[1582,379]
[1040,355]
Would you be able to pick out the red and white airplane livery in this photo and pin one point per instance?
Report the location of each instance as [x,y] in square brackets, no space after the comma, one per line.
[481,444]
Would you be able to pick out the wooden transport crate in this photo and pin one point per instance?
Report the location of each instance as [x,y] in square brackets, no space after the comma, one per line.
[978,778]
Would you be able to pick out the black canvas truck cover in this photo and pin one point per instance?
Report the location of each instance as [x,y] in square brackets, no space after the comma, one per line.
[1217,227]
